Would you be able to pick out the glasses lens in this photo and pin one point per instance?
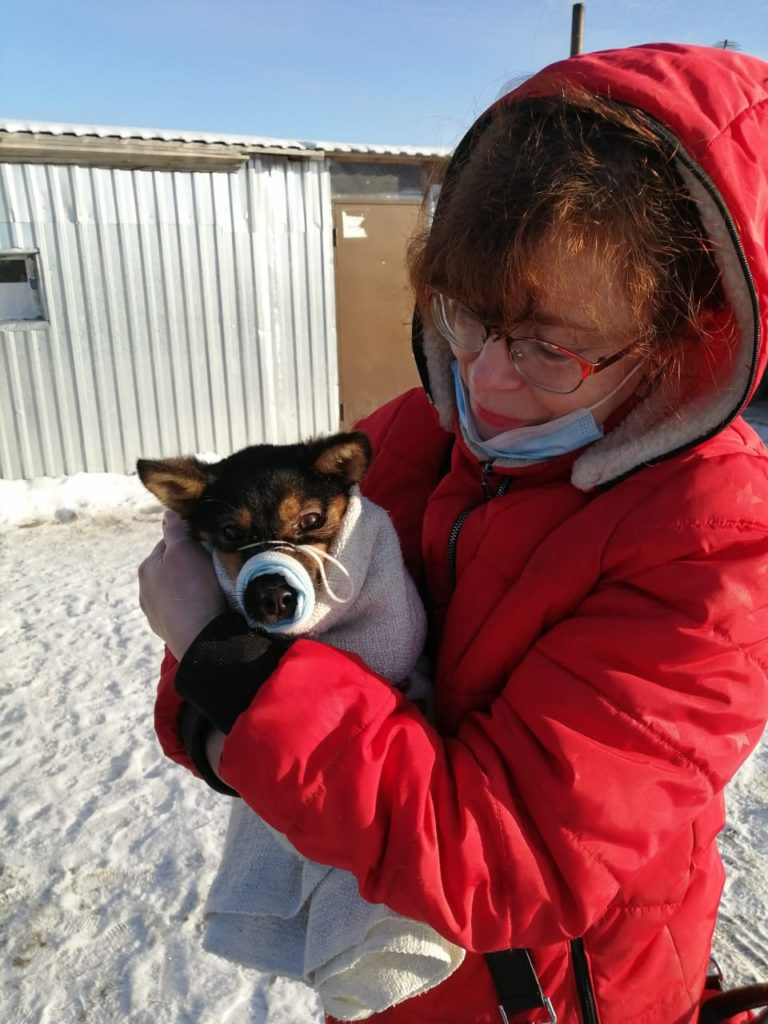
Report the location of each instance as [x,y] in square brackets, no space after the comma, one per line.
[545,365]
[457,323]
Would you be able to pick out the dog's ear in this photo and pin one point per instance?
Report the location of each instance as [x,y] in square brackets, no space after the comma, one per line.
[345,455]
[178,483]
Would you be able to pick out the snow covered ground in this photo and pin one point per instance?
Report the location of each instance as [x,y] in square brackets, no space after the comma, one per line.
[108,849]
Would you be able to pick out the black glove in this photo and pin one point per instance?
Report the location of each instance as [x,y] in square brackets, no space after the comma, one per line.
[225,666]
[195,729]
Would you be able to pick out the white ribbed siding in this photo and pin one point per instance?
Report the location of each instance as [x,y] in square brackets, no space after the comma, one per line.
[187,311]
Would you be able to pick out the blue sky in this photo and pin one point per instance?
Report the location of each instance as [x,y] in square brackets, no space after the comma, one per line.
[406,71]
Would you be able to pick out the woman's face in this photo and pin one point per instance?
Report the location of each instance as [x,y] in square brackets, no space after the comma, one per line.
[579,310]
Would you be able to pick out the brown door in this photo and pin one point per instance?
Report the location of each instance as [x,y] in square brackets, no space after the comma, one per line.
[373,303]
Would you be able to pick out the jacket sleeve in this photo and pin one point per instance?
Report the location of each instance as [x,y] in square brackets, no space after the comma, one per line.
[168,706]
[611,737]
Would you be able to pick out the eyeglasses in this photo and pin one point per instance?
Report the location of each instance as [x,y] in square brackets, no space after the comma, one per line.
[546,366]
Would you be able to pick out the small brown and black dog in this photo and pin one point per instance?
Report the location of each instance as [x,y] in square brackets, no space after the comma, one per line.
[295,493]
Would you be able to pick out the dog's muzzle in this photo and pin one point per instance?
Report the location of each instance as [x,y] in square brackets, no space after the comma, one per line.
[274,591]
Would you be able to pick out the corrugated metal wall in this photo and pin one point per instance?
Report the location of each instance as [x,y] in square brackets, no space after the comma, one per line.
[188,311]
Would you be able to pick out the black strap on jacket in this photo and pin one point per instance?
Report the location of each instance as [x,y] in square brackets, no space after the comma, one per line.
[517,984]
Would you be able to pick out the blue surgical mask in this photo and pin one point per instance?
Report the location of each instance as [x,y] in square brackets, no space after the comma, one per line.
[279,558]
[538,442]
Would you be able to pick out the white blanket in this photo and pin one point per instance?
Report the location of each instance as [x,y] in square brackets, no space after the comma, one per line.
[271,909]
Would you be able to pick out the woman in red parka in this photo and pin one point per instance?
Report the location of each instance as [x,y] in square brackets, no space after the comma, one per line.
[588,513]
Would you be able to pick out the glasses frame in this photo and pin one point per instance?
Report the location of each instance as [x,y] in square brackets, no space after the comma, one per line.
[587,367]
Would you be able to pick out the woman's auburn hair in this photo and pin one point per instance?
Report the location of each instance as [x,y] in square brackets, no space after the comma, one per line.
[571,175]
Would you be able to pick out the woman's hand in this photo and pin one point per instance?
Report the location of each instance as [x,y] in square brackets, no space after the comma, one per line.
[178,589]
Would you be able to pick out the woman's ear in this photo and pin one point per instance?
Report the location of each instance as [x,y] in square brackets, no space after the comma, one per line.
[178,483]
[344,455]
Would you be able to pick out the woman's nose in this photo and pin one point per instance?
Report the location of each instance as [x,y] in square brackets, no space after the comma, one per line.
[492,366]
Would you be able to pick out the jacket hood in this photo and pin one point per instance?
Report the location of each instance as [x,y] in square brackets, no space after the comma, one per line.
[712,105]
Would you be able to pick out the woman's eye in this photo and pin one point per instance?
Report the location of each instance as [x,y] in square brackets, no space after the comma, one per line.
[310,521]
[550,352]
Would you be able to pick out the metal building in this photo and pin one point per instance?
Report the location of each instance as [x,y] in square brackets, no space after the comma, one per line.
[168,292]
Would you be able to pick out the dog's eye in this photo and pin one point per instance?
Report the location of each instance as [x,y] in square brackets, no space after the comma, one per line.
[310,521]
[230,534]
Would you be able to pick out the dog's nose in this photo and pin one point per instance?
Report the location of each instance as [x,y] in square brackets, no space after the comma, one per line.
[269,599]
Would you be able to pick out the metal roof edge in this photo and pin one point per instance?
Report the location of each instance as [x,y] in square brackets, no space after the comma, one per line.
[252,143]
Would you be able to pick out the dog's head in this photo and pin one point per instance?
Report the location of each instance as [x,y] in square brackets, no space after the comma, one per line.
[295,493]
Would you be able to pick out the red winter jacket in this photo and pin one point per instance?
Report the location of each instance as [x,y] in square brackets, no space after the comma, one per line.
[602,649]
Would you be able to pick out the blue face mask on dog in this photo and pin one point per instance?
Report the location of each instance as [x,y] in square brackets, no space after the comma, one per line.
[278,558]
[538,442]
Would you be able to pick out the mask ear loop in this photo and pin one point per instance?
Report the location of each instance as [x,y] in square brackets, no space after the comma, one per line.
[619,386]
[316,555]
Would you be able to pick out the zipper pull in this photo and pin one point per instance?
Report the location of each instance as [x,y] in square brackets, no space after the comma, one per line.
[485,480]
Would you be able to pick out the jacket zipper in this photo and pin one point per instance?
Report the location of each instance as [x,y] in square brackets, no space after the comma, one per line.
[584,985]
[453,539]
[584,989]
[453,536]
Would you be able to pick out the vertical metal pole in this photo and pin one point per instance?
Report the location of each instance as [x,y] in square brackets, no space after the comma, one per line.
[577,29]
